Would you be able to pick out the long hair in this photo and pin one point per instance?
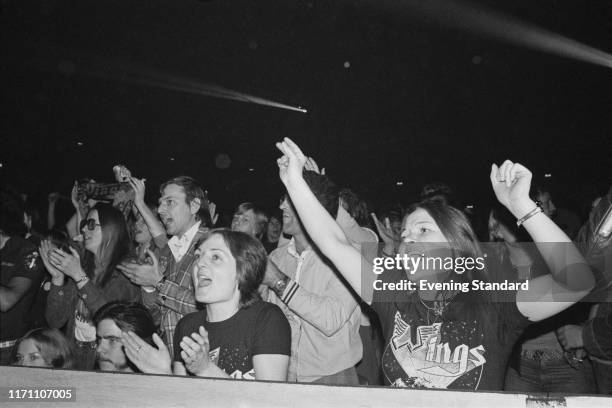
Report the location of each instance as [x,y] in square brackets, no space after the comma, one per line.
[131,316]
[53,346]
[115,245]
[459,233]
[456,228]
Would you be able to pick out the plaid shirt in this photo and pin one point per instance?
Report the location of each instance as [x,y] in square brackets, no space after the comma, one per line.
[176,297]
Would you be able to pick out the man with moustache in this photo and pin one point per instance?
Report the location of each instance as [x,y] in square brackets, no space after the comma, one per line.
[167,285]
[111,321]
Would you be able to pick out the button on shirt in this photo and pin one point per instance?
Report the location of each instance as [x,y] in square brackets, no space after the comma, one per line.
[179,246]
[322,312]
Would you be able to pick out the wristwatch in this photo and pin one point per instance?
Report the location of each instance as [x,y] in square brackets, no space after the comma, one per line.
[160,284]
[280,286]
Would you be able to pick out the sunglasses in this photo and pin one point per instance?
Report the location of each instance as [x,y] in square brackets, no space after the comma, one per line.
[90,223]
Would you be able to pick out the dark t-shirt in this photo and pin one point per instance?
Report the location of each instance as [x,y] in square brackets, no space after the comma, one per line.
[468,347]
[261,328]
[19,259]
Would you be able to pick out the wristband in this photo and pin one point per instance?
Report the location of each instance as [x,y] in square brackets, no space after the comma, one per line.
[83,277]
[530,214]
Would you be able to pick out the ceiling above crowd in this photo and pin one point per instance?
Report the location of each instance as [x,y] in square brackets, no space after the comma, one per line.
[395,97]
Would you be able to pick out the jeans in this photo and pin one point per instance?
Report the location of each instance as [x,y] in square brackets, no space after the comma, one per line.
[551,375]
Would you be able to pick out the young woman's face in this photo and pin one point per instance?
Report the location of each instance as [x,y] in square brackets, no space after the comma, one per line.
[28,355]
[421,237]
[419,226]
[214,274]
[92,239]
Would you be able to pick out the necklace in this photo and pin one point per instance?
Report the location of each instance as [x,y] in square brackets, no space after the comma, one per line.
[438,307]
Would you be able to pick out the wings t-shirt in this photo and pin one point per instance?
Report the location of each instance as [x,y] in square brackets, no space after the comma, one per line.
[468,347]
[261,328]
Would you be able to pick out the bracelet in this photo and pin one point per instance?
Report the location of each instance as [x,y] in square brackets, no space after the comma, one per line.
[530,214]
[83,278]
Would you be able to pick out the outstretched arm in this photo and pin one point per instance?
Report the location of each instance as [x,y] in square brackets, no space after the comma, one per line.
[150,218]
[322,228]
[570,277]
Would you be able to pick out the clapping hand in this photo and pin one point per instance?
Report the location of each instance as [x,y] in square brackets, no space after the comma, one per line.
[68,264]
[57,276]
[147,358]
[146,274]
[195,351]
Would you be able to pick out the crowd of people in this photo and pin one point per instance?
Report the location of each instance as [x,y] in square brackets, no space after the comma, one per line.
[132,286]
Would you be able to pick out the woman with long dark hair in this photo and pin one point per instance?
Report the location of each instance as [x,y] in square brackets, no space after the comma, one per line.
[438,335]
[93,279]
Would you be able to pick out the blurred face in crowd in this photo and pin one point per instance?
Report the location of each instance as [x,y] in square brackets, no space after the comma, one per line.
[547,204]
[244,221]
[142,235]
[175,212]
[396,226]
[274,229]
[110,354]
[214,274]
[92,232]
[291,222]
[29,355]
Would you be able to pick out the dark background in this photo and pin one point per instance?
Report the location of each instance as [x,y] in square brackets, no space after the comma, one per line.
[420,102]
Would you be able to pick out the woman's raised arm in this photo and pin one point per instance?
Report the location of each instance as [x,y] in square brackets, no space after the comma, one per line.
[570,277]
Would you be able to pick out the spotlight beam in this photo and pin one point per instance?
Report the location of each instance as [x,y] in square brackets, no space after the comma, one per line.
[500,26]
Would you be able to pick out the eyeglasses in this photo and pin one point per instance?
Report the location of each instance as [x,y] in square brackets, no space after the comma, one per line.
[90,223]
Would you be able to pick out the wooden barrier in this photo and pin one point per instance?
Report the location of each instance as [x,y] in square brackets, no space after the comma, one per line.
[96,389]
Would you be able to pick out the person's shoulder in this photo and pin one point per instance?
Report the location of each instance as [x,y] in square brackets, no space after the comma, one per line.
[280,252]
[192,318]
[261,309]
[20,245]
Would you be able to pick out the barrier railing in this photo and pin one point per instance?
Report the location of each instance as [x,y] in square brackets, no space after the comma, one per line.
[97,389]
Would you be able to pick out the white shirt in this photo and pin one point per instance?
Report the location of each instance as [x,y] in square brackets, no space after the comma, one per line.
[179,246]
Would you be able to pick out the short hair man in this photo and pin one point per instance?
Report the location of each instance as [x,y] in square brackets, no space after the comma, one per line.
[168,289]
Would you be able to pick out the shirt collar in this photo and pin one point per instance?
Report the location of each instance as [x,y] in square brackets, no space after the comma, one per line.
[293,252]
[180,245]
